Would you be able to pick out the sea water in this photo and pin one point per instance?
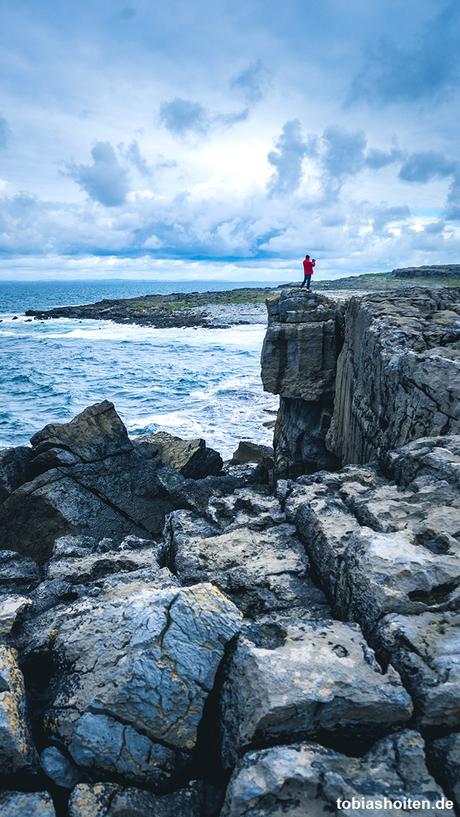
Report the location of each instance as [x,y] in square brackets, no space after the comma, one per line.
[190,382]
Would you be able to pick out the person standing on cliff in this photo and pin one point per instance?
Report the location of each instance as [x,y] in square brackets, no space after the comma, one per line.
[308,265]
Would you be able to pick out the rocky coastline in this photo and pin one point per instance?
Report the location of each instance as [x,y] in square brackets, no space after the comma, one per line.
[261,637]
[245,305]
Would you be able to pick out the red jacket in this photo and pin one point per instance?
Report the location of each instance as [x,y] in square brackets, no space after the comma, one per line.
[308,265]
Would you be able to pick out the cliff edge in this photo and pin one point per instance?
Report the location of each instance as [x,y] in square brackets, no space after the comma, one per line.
[363,376]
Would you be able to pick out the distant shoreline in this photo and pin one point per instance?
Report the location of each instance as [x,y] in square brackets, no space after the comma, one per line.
[238,306]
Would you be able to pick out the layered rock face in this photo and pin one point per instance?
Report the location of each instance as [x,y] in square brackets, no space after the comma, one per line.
[397,373]
[176,642]
[359,378]
[299,359]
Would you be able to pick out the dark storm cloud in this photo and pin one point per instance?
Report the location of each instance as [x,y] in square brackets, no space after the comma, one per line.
[105,180]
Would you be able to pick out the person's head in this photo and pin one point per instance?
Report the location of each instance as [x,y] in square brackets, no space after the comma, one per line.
[307,256]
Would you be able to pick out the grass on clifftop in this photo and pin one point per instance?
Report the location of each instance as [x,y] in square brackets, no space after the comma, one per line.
[194,299]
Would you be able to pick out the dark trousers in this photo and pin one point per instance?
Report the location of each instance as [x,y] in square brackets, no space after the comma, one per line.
[307,280]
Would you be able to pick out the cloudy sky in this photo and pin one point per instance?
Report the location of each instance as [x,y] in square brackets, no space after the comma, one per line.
[226,138]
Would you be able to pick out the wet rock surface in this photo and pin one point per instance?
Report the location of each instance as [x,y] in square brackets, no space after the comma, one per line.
[177,641]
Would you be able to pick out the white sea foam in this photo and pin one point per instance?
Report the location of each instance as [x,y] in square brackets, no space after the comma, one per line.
[246,336]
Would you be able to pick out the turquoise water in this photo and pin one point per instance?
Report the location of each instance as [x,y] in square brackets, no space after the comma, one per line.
[191,382]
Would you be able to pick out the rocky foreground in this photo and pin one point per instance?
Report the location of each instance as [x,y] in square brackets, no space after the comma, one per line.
[265,637]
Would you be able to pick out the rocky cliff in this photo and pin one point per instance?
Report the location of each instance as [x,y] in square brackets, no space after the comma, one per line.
[182,638]
[362,376]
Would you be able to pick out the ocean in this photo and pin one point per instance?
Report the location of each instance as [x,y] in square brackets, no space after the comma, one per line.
[190,382]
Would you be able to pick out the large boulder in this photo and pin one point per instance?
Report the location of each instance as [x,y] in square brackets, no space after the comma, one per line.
[320,680]
[114,497]
[247,451]
[135,666]
[111,800]
[308,779]
[95,433]
[192,458]
[87,478]
[17,753]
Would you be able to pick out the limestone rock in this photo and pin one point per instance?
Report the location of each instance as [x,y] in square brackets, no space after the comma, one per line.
[383,366]
[95,433]
[59,768]
[18,574]
[115,497]
[388,556]
[10,608]
[14,463]
[22,804]
[298,360]
[260,570]
[192,458]
[135,667]
[322,680]
[17,753]
[301,327]
[255,508]
[248,451]
[425,650]
[111,800]
[105,745]
[300,430]
[433,457]
[307,779]
[397,373]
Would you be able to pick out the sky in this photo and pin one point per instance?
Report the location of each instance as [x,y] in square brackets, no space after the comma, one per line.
[227,138]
